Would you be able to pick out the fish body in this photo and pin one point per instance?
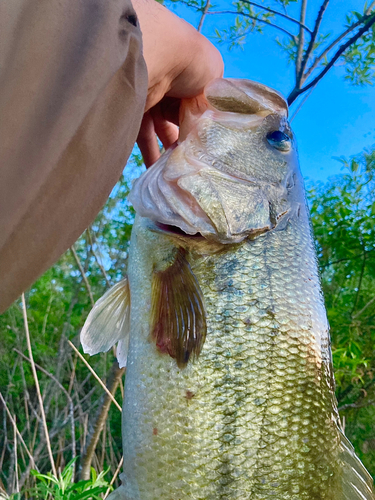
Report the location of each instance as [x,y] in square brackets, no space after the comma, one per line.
[229,387]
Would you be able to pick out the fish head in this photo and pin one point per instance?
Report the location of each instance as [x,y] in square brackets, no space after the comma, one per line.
[233,173]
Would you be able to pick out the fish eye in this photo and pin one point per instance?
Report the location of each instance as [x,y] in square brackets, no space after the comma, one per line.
[279,140]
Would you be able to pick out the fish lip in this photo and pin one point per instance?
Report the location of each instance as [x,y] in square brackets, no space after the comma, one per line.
[175,231]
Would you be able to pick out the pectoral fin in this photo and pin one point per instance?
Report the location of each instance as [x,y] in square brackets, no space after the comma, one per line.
[178,322]
[108,323]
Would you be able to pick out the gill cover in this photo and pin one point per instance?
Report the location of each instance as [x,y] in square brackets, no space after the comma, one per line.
[224,179]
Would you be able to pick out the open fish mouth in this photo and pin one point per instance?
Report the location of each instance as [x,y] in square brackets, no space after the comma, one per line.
[212,183]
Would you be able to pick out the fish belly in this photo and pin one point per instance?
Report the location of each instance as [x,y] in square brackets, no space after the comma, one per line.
[254,417]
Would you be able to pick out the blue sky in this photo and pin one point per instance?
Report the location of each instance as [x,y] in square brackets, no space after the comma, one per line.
[337,119]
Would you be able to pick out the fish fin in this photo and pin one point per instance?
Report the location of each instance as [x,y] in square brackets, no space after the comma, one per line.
[108,322]
[178,319]
[356,482]
[122,351]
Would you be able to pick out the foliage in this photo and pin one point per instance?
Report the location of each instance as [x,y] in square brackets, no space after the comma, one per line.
[360,57]
[344,225]
[62,487]
[57,306]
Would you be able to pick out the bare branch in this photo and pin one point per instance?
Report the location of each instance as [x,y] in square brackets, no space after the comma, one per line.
[310,47]
[95,374]
[100,420]
[33,369]
[18,433]
[97,257]
[301,39]
[204,13]
[15,430]
[294,38]
[296,92]
[356,405]
[364,308]
[359,283]
[278,14]
[70,401]
[301,104]
[114,477]
[342,260]
[325,52]
[83,274]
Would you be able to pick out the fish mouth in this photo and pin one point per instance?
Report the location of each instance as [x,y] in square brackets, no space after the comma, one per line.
[207,243]
[176,231]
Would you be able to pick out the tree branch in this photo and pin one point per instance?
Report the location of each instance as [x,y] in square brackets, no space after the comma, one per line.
[359,283]
[83,274]
[94,373]
[369,8]
[310,47]
[296,92]
[100,420]
[96,256]
[342,260]
[301,104]
[364,308]
[319,58]
[70,401]
[40,399]
[18,432]
[301,39]
[278,14]
[356,405]
[204,13]
[256,19]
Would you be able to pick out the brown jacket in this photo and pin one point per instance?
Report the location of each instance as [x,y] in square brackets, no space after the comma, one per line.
[73,85]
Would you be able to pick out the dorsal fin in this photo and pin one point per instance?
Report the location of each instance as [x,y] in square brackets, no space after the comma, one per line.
[108,323]
[178,321]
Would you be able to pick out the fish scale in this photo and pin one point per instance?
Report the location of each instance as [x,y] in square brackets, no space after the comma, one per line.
[262,395]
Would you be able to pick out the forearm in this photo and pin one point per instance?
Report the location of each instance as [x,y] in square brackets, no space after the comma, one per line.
[72,90]
[52,73]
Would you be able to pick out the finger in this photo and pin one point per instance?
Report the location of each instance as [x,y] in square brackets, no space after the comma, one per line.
[167,133]
[147,141]
[165,130]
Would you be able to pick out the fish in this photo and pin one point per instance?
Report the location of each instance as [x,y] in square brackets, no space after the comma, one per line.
[229,390]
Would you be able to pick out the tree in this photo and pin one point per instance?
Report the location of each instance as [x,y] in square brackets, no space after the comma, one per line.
[311,50]
[343,218]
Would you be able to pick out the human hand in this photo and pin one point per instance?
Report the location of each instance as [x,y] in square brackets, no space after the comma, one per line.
[180,62]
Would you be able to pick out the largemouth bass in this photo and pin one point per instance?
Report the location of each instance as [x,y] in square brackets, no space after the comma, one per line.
[229,387]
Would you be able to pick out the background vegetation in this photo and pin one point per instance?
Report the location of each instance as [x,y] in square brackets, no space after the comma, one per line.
[82,422]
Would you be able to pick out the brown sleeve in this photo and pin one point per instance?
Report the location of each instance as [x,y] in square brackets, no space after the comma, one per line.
[73,84]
